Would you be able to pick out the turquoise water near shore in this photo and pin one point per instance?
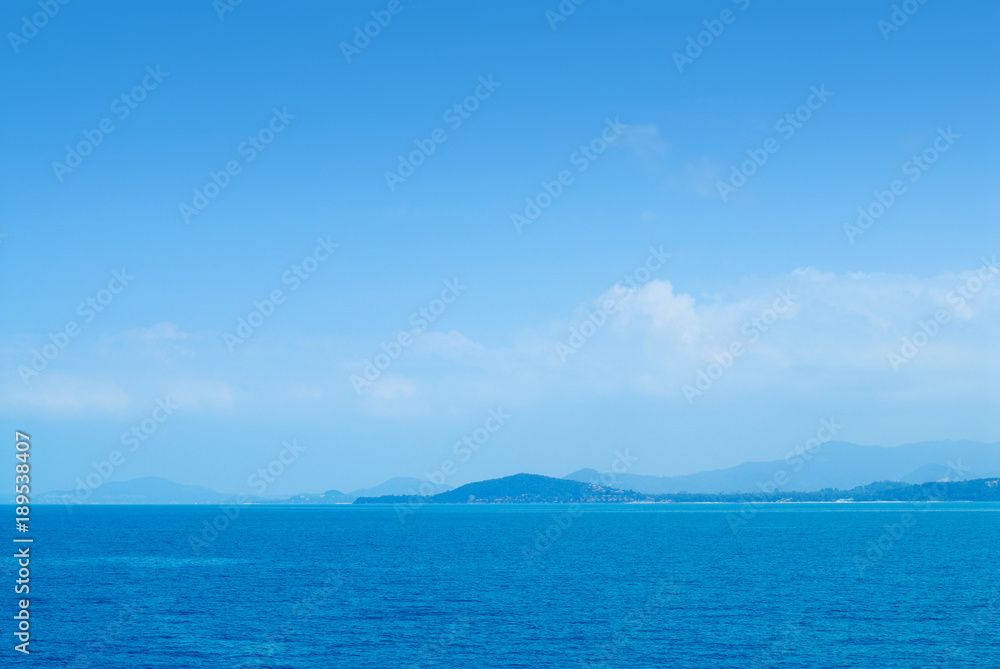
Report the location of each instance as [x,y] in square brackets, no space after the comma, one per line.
[705,585]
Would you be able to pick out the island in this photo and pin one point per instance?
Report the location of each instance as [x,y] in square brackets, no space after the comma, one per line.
[537,489]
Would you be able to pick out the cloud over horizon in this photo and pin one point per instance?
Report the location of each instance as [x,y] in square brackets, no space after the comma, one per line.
[772,335]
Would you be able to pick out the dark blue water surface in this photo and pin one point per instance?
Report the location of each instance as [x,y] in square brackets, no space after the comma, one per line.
[795,585]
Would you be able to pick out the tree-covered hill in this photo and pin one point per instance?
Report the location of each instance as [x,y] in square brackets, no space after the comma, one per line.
[520,488]
[532,488]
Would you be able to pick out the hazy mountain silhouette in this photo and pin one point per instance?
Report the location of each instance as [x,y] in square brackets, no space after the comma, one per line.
[837,465]
[328,497]
[833,465]
[146,490]
[401,485]
[156,490]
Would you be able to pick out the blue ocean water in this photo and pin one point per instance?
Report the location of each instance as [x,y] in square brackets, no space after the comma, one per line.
[794,585]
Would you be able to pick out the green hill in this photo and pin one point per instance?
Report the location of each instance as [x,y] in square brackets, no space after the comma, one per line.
[532,488]
[520,488]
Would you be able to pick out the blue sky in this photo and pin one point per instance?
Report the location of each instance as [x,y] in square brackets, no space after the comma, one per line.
[341,126]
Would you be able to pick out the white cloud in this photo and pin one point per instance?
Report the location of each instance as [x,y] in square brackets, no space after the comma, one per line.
[701,175]
[833,334]
[164,342]
[69,396]
[646,143]
[827,331]
[197,394]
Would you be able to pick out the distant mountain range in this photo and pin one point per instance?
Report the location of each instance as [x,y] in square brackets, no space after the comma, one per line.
[156,490]
[835,466]
[531,488]
[832,465]
[401,485]
[147,490]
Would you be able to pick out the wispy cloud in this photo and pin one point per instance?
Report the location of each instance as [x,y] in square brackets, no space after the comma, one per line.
[838,327]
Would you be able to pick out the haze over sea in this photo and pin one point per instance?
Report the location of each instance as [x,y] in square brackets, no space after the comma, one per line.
[797,585]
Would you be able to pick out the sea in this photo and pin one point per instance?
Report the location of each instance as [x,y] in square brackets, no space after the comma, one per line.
[535,586]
